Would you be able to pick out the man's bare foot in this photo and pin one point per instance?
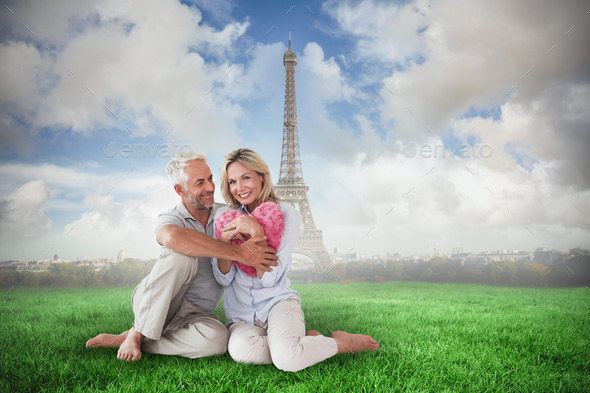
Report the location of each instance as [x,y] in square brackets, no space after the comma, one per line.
[348,342]
[105,340]
[130,349]
[313,333]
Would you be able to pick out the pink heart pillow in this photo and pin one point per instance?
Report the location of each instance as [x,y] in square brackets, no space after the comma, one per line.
[268,215]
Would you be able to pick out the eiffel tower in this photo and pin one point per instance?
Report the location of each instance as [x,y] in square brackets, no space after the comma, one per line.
[291,185]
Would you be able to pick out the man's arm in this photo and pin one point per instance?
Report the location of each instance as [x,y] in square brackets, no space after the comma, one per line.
[196,244]
[241,226]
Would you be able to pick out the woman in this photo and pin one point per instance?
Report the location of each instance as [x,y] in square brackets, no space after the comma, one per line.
[264,314]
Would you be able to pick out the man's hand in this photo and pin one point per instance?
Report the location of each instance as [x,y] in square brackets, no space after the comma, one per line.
[259,256]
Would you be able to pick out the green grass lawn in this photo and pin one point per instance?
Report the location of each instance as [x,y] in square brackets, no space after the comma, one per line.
[433,337]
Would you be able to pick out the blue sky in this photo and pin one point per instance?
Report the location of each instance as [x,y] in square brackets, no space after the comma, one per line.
[96,98]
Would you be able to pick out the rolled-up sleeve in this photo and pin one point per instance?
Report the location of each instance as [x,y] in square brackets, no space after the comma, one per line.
[223,279]
[168,218]
[292,221]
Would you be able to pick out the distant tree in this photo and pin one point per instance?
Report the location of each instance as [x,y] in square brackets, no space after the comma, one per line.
[9,278]
[395,271]
[574,270]
[64,275]
[46,279]
[501,272]
[87,277]
[442,270]
[126,273]
[531,274]
[472,275]
[31,279]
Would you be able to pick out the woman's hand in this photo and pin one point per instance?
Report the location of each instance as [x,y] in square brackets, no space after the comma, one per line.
[242,228]
[224,237]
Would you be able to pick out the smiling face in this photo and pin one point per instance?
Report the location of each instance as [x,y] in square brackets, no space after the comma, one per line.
[199,191]
[244,184]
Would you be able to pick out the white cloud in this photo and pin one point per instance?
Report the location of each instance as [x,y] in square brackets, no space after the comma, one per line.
[459,58]
[123,64]
[321,84]
[394,203]
[159,67]
[28,19]
[115,223]
[22,212]
[251,81]
[455,61]
[380,27]
[112,209]
[58,177]
[326,77]
[25,73]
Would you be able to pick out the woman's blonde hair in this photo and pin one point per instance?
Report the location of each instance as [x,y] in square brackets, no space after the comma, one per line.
[251,160]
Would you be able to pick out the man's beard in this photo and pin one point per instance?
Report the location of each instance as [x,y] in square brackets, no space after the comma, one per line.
[197,201]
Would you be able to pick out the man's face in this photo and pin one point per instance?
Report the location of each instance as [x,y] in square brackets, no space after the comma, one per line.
[199,191]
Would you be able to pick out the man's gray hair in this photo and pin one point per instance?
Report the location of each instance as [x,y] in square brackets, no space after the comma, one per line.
[175,168]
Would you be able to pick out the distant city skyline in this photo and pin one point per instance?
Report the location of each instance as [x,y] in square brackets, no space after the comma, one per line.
[121,254]
[420,123]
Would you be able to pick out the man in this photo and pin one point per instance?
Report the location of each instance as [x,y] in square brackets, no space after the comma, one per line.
[173,305]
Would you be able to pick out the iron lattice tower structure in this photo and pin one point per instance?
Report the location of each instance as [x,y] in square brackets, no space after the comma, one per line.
[291,185]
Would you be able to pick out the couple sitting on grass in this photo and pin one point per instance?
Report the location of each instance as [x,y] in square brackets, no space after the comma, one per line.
[256,234]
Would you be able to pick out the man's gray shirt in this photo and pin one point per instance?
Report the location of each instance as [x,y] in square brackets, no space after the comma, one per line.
[203,291]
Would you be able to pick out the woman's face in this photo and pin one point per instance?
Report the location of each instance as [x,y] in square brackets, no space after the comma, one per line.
[244,184]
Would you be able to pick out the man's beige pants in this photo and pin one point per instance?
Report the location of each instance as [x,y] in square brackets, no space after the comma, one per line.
[280,340]
[171,324]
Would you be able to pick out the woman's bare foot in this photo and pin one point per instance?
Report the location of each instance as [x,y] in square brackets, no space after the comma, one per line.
[105,340]
[313,333]
[130,349]
[348,342]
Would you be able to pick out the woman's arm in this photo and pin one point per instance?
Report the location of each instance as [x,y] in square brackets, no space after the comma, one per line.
[224,279]
[224,265]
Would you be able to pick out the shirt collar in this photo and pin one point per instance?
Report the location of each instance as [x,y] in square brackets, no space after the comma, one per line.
[183,211]
[185,214]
